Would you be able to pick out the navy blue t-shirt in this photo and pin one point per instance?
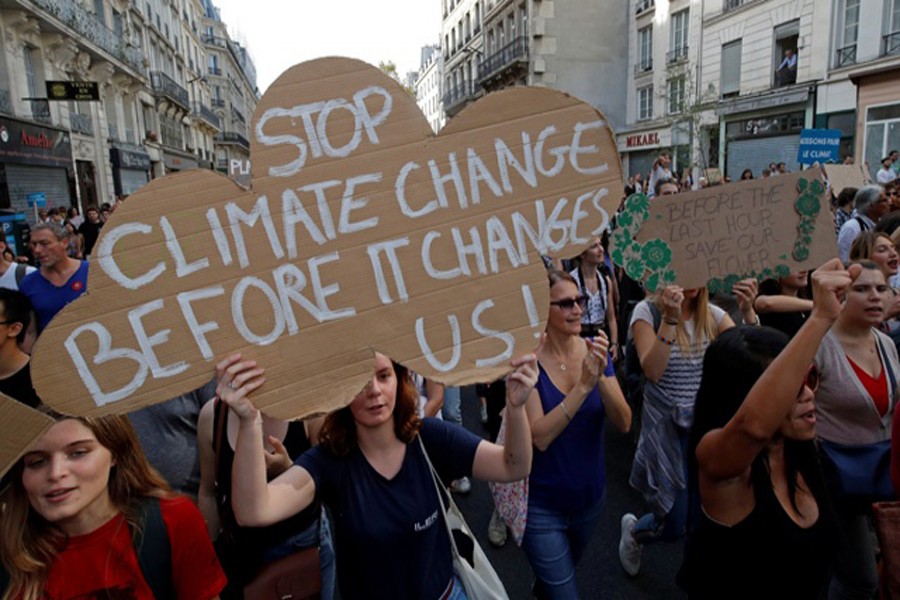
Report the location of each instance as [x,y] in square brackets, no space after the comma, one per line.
[570,474]
[390,541]
[48,299]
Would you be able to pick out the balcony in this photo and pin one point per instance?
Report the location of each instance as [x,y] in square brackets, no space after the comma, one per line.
[845,56]
[82,124]
[733,4]
[643,67]
[218,102]
[890,44]
[512,54]
[40,110]
[237,115]
[165,86]
[644,5]
[231,137]
[215,71]
[458,95]
[207,115]
[676,56]
[73,15]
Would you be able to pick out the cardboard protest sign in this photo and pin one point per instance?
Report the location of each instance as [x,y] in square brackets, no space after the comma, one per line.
[29,426]
[844,176]
[362,232]
[716,236]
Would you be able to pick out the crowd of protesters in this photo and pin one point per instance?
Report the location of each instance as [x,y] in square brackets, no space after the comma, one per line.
[743,405]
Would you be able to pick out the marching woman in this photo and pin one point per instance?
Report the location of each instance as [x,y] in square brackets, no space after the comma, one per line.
[371,470]
[854,410]
[576,391]
[671,332]
[766,528]
[86,516]
[594,282]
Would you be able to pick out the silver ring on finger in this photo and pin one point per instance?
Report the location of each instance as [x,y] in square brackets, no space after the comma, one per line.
[231,385]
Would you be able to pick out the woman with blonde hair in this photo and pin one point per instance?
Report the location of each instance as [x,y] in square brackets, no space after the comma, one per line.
[82,503]
[671,331]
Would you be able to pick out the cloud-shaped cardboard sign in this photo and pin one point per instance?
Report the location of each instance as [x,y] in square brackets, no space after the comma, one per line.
[362,232]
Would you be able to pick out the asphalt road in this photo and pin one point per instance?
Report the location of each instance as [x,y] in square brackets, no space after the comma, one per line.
[599,574]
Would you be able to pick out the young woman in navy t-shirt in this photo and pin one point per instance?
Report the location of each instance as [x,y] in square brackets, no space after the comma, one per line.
[370,471]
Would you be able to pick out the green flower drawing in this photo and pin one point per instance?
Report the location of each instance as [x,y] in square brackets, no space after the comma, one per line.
[634,268]
[625,219]
[657,254]
[638,203]
[808,205]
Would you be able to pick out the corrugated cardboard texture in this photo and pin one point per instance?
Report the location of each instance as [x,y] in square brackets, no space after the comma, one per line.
[369,233]
[28,425]
[843,176]
[738,229]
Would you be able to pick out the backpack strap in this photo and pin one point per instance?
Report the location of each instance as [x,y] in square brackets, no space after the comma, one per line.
[21,272]
[154,552]
[862,224]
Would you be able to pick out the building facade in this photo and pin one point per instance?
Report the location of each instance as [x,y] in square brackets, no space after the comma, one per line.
[428,86]
[151,114]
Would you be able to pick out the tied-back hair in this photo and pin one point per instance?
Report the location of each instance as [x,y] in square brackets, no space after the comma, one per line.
[731,367]
[338,434]
[29,543]
[705,327]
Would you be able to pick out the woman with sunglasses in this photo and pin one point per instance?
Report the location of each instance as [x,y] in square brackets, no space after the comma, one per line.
[594,282]
[671,332]
[854,407]
[766,520]
[575,392]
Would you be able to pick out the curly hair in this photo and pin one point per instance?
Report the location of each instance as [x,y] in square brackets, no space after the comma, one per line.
[29,543]
[338,434]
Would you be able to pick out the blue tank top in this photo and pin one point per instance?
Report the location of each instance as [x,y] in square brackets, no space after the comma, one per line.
[570,475]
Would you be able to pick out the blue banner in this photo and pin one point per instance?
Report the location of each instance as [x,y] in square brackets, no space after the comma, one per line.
[819,145]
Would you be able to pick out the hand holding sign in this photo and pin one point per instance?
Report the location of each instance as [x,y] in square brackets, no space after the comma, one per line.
[362,232]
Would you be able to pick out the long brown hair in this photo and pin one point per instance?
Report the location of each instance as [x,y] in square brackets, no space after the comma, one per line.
[29,543]
[338,434]
[704,323]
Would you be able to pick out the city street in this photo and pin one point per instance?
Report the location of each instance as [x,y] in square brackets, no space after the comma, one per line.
[599,574]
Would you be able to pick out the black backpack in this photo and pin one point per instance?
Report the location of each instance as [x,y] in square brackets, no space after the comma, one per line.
[151,544]
[634,374]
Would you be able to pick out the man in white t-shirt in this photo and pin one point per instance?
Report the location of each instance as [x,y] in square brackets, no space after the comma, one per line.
[886,174]
[11,273]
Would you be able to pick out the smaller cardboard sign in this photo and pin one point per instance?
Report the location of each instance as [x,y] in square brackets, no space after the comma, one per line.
[819,145]
[844,176]
[716,236]
[73,90]
[30,425]
[713,175]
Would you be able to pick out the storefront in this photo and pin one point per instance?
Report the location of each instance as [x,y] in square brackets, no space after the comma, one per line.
[35,161]
[179,162]
[639,149]
[878,122]
[131,169]
[764,129]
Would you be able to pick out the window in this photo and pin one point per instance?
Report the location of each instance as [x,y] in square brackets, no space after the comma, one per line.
[645,103]
[679,29]
[895,16]
[645,48]
[676,95]
[731,69]
[787,36]
[882,134]
[848,33]
[99,12]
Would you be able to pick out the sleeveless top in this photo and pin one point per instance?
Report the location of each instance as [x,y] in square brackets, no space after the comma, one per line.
[253,541]
[570,474]
[595,311]
[766,555]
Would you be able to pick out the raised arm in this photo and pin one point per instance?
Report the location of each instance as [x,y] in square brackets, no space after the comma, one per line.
[206,495]
[781,304]
[728,452]
[512,461]
[652,351]
[255,502]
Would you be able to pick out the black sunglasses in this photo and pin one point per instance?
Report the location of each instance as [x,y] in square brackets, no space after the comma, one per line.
[810,380]
[569,303]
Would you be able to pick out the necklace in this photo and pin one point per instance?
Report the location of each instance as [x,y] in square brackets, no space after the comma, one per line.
[562,366]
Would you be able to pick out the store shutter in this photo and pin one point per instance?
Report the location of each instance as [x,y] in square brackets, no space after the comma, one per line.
[24,179]
[756,154]
[132,180]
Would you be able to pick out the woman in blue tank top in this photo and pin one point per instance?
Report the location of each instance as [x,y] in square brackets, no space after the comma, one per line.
[576,391]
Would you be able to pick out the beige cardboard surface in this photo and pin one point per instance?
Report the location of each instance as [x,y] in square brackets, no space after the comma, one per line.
[29,426]
[362,231]
[843,176]
[756,228]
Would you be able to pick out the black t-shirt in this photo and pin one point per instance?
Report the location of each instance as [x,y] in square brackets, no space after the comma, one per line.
[390,541]
[787,322]
[90,232]
[18,387]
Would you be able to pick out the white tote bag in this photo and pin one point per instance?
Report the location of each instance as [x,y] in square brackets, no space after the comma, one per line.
[480,581]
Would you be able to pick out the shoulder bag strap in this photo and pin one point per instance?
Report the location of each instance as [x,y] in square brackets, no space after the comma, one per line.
[438,486]
[21,272]
[221,414]
[154,552]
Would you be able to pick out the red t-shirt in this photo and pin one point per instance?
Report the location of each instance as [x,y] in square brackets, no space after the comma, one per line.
[876,386]
[103,563]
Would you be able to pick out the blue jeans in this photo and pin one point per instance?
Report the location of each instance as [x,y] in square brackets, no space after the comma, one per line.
[451,411]
[307,539]
[672,526]
[554,542]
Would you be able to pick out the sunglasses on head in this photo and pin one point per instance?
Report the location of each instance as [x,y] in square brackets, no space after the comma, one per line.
[810,380]
[569,303]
